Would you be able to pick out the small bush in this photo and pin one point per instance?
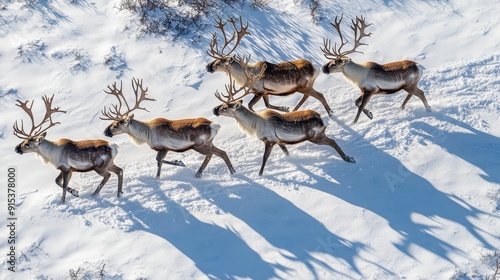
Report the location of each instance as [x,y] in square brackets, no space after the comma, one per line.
[492,260]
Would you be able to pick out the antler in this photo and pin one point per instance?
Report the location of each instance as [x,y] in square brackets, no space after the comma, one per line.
[141,97]
[217,52]
[358,27]
[251,79]
[36,129]
[114,113]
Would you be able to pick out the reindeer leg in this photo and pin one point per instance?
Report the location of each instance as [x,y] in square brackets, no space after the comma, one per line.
[106,175]
[220,153]
[284,149]
[59,182]
[321,98]
[66,176]
[268,105]
[324,140]
[420,93]
[208,157]
[207,151]
[161,155]
[406,100]
[361,103]
[366,111]
[267,152]
[304,98]
[254,100]
[119,172]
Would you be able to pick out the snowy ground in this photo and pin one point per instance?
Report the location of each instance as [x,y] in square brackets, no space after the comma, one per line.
[422,201]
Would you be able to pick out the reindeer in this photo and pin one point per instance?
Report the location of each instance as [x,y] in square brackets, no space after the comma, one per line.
[279,79]
[67,155]
[272,127]
[160,134]
[370,77]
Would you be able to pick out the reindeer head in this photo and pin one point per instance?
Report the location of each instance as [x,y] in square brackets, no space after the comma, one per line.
[230,103]
[121,120]
[222,57]
[339,58]
[37,133]
[227,108]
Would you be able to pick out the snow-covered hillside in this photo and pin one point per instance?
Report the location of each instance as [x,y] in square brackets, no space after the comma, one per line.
[421,202]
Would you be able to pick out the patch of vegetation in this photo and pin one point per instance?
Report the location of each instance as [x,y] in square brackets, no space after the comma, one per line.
[115,60]
[492,260]
[88,271]
[33,51]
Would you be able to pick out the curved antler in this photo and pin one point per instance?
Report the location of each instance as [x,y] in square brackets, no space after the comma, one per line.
[114,113]
[219,52]
[36,129]
[358,26]
[251,79]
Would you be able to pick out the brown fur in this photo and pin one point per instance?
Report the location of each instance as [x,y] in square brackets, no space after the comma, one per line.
[85,144]
[296,116]
[392,66]
[179,124]
[289,70]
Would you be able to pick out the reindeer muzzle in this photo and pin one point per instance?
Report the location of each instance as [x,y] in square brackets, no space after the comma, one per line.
[18,149]
[108,133]
[215,111]
[209,68]
[325,69]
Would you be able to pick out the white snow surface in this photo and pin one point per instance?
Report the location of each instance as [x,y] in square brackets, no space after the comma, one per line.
[421,202]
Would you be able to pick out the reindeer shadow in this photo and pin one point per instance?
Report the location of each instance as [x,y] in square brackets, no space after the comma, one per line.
[388,189]
[476,147]
[218,252]
[297,235]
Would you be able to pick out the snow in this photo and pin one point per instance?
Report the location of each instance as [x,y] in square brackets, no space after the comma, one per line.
[421,202]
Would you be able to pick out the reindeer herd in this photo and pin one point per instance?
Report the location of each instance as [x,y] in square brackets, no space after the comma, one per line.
[274,126]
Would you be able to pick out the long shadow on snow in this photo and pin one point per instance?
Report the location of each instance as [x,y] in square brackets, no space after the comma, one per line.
[287,227]
[218,252]
[478,148]
[387,188]
[51,14]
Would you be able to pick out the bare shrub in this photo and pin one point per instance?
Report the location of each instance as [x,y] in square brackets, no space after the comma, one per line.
[167,16]
[181,17]
[259,4]
[314,7]
[492,260]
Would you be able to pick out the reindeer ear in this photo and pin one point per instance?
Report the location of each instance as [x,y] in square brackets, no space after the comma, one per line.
[238,104]
[40,137]
[346,60]
[230,60]
[128,118]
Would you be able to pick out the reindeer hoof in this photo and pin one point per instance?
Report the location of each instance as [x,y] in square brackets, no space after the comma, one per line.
[349,159]
[119,194]
[73,192]
[95,194]
[198,175]
[428,109]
